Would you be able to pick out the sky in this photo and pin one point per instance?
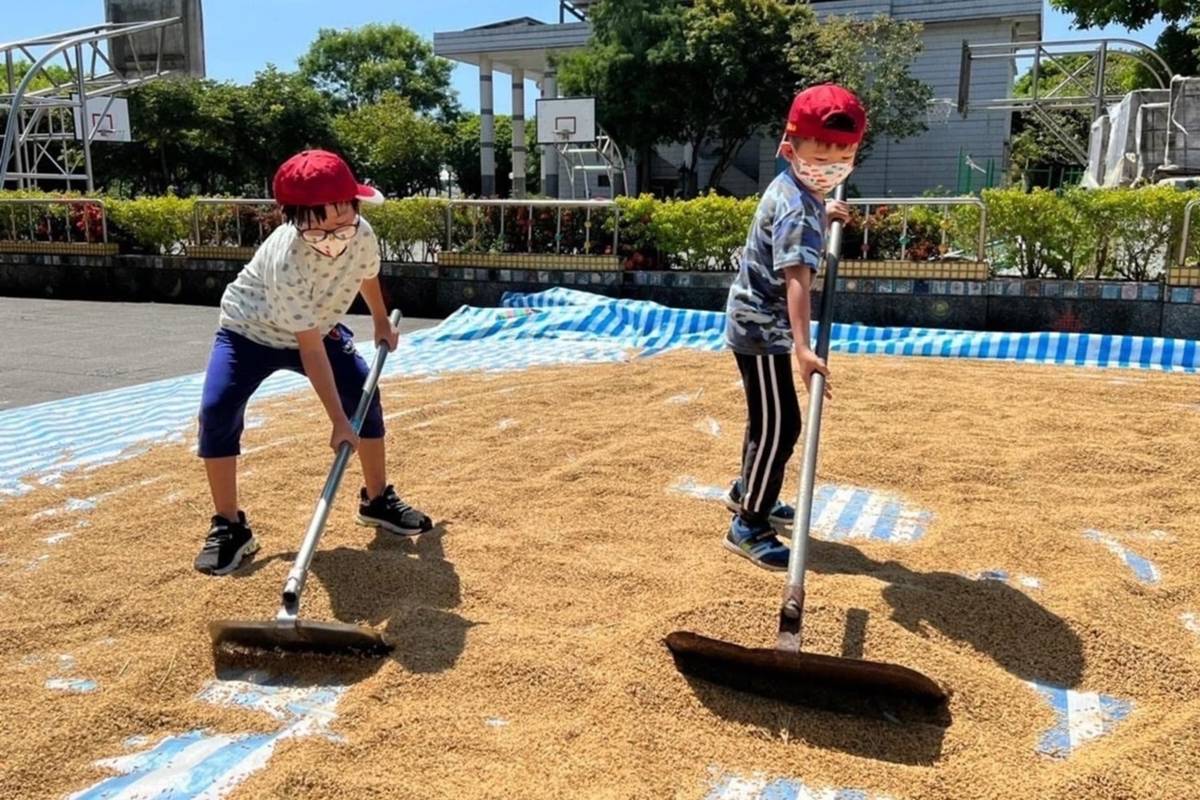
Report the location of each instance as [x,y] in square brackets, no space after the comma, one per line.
[243,36]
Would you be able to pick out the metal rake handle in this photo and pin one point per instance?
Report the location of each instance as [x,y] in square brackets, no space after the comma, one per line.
[293,587]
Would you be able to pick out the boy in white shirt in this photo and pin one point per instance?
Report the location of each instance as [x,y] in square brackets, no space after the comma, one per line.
[283,311]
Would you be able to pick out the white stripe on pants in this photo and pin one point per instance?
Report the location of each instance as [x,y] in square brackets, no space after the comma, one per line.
[772,431]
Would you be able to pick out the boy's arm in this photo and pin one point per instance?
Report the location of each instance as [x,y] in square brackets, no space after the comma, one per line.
[372,295]
[799,305]
[320,375]
[798,242]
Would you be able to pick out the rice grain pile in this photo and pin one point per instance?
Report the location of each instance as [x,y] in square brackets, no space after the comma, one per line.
[529,625]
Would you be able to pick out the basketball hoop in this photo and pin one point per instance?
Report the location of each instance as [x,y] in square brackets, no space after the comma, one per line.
[939,110]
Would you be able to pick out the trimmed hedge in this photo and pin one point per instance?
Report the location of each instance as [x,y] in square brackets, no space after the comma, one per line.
[1076,233]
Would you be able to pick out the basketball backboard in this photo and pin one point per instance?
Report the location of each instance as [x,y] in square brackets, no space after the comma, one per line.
[182,47]
[107,119]
[566,120]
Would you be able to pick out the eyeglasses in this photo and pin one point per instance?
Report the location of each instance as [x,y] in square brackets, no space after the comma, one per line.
[342,234]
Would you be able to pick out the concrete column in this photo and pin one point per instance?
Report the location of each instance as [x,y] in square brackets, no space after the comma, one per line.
[487,129]
[549,154]
[518,132]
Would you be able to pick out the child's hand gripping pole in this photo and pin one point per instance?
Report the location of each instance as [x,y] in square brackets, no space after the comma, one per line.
[792,611]
[294,585]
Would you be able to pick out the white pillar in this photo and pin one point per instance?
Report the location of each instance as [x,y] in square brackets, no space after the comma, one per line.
[487,129]
[518,132]
[549,154]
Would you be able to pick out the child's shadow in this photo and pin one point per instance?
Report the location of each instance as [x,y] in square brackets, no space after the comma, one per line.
[408,585]
[997,620]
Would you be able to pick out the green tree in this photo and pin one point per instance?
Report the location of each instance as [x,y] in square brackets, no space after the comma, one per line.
[1179,46]
[195,136]
[390,144]
[187,139]
[462,155]
[873,58]
[282,114]
[737,54]
[51,74]
[358,67]
[1132,14]
[630,67]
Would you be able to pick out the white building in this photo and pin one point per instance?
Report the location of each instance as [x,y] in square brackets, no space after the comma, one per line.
[521,48]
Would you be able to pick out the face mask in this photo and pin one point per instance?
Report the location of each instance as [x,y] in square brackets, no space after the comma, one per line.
[821,177]
[333,243]
[331,247]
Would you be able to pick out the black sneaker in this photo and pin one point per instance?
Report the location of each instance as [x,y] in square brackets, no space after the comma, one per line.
[228,543]
[391,514]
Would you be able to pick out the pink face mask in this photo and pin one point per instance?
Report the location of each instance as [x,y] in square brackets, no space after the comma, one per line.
[821,177]
[331,248]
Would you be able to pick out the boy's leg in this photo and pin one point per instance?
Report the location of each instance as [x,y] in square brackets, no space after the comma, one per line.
[235,369]
[379,505]
[222,483]
[773,426]
[373,458]
[774,411]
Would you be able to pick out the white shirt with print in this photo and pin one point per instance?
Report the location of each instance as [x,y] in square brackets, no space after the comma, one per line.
[289,287]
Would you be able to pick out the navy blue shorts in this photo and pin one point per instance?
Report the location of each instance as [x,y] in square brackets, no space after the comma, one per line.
[238,366]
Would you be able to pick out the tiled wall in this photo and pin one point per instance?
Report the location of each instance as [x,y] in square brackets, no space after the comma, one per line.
[426,290]
[996,287]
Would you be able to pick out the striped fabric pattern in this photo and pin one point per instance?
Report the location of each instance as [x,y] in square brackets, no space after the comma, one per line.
[757,788]
[1081,718]
[1142,568]
[705,330]
[202,765]
[557,326]
[844,513]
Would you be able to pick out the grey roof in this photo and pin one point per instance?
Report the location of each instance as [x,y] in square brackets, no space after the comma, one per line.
[517,22]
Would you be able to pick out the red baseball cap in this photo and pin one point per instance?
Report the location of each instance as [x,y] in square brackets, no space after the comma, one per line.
[813,108]
[319,178]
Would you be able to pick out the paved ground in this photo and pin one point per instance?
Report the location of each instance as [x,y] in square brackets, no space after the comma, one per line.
[58,348]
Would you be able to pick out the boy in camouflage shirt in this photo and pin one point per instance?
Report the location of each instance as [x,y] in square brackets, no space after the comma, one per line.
[769,309]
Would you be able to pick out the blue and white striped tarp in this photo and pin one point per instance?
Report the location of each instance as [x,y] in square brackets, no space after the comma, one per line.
[557,326]
[45,441]
[1080,718]
[202,765]
[844,513]
[656,327]
[1142,568]
[758,788]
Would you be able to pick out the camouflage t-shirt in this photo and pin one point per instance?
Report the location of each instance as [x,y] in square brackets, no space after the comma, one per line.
[788,231]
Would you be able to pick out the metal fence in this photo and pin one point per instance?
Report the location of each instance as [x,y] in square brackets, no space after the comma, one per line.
[534,227]
[1183,273]
[66,223]
[225,227]
[949,230]
[1185,236]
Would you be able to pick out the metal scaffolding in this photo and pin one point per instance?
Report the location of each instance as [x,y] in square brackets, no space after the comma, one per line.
[573,8]
[48,104]
[1083,67]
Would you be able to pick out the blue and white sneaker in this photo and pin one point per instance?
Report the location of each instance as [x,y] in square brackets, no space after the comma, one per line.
[758,544]
[781,515]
